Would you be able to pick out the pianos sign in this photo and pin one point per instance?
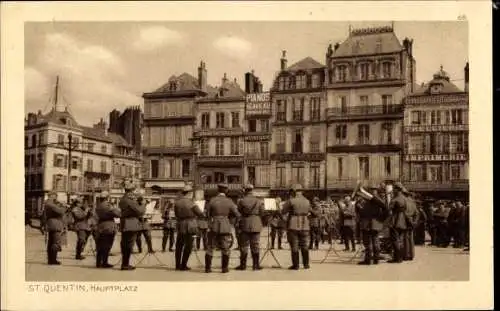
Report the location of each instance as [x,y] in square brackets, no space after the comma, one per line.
[258,104]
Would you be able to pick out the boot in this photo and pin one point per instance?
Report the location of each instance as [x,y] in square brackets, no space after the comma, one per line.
[353,245]
[185,259]
[317,244]
[126,260]
[295,261]
[208,263]
[98,259]
[272,242]
[105,263]
[54,259]
[178,254]
[79,250]
[163,244]
[305,258]
[243,262]
[225,263]
[255,261]
[279,243]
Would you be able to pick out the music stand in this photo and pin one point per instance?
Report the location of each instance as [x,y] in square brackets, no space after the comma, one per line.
[195,251]
[269,249]
[93,245]
[332,246]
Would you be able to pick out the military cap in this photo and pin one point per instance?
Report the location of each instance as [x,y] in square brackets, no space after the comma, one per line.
[248,187]
[399,186]
[104,194]
[187,188]
[296,187]
[129,185]
[315,199]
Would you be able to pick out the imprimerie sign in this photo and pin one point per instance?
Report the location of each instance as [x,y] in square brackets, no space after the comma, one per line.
[258,104]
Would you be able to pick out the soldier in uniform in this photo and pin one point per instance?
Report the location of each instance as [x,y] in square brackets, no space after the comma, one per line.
[314,225]
[202,231]
[465,226]
[455,224]
[252,210]
[441,221]
[168,228]
[277,225]
[131,211]
[54,212]
[145,230]
[298,209]
[81,214]
[219,208]
[372,215]
[106,230]
[412,215]
[397,222]
[348,222]
[186,212]
[420,228]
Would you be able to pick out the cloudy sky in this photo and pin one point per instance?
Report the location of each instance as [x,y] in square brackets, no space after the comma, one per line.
[109,65]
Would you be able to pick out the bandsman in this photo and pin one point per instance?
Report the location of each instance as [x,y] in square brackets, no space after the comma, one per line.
[186,212]
[202,231]
[397,221]
[314,223]
[53,213]
[252,210]
[131,211]
[372,213]
[278,224]
[298,208]
[81,215]
[421,226]
[106,229]
[412,220]
[219,208]
[145,229]
[347,215]
[169,224]
[441,222]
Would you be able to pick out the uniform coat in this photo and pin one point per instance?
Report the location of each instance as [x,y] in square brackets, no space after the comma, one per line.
[81,215]
[298,209]
[106,230]
[398,225]
[53,214]
[131,211]
[169,225]
[412,215]
[251,210]
[219,208]
[185,213]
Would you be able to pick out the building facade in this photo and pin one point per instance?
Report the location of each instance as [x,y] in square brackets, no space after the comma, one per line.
[368,75]
[128,125]
[298,127]
[436,135]
[168,127]
[218,136]
[257,131]
[48,166]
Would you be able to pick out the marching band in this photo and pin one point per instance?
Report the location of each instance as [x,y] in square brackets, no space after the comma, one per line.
[387,219]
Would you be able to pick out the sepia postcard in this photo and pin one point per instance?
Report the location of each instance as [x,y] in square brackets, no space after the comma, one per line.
[257,155]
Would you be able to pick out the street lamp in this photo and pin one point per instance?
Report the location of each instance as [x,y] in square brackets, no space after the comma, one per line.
[70,138]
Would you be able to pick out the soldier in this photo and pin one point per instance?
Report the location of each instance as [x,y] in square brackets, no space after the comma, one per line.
[372,215]
[145,230]
[456,230]
[397,222]
[298,209]
[348,222]
[169,224]
[106,230]
[465,226]
[441,222]
[252,210]
[219,208]
[202,231]
[54,212]
[412,215]
[276,230]
[431,223]
[81,214]
[131,211]
[314,225]
[419,234]
[186,212]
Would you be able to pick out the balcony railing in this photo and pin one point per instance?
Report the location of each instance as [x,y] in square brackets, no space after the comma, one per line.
[360,111]
[436,128]
[257,155]
[440,185]
[228,131]
[214,186]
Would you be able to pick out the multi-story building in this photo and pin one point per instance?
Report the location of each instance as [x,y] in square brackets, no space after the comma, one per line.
[298,127]
[89,170]
[257,137]
[368,75]
[436,135]
[218,136]
[168,126]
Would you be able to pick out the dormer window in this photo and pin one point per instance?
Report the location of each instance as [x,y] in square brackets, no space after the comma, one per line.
[281,83]
[173,86]
[301,81]
[364,71]
[341,73]
[386,70]
[436,88]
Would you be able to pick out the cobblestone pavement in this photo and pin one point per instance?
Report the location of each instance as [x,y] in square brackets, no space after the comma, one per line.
[430,264]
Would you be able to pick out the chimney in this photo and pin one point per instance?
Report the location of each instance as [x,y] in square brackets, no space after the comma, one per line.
[31,118]
[224,79]
[336,46]
[202,77]
[283,60]
[466,77]
[102,126]
[249,81]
